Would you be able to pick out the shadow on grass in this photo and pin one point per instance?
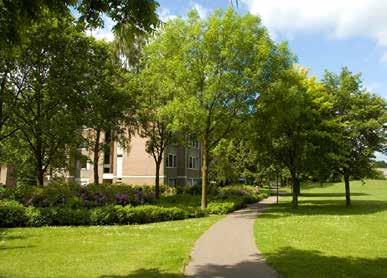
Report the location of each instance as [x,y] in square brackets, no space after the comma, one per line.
[146,273]
[15,247]
[291,262]
[331,194]
[6,238]
[325,207]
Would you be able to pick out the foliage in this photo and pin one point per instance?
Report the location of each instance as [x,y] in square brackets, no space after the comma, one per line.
[356,126]
[16,15]
[109,106]
[15,215]
[72,195]
[287,123]
[59,205]
[12,214]
[48,82]
[157,89]
[234,159]
[220,64]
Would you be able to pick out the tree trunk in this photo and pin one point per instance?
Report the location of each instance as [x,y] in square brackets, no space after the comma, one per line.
[39,160]
[295,190]
[347,191]
[157,180]
[96,156]
[40,174]
[204,172]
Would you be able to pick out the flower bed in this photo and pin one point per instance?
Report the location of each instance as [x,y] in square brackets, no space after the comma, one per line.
[128,205]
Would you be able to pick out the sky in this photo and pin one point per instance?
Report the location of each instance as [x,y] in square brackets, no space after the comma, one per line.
[324,34]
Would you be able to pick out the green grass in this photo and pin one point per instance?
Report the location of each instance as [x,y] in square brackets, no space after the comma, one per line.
[152,250]
[323,238]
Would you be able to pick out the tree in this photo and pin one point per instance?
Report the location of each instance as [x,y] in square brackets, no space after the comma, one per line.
[357,126]
[7,98]
[287,122]
[157,90]
[109,106]
[221,63]
[233,159]
[16,15]
[48,82]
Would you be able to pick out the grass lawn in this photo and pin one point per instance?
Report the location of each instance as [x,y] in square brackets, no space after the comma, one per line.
[152,250]
[323,238]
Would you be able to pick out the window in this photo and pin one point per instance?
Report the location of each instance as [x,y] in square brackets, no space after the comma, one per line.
[106,155]
[193,143]
[193,162]
[171,161]
[83,162]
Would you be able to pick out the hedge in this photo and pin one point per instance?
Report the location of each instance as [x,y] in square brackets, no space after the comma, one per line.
[15,214]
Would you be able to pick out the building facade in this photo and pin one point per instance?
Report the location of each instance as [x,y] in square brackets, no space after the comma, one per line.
[133,165]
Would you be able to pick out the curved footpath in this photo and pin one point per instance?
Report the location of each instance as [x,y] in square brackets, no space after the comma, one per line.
[228,248]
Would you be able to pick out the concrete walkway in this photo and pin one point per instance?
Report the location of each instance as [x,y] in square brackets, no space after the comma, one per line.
[228,248]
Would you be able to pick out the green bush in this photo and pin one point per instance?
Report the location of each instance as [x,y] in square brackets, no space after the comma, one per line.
[12,214]
[224,207]
[106,215]
[59,206]
[74,196]
[64,216]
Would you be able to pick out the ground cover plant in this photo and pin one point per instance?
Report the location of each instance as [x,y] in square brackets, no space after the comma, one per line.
[151,250]
[323,238]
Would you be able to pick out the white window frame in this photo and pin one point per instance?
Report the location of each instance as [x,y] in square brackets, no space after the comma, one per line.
[169,163]
[195,162]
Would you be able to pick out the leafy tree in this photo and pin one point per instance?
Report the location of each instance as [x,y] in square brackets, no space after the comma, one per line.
[7,98]
[357,126]
[233,159]
[109,106]
[16,15]
[288,115]
[157,90]
[221,63]
[47,83]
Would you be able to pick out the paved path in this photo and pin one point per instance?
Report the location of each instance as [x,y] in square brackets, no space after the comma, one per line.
[228,248]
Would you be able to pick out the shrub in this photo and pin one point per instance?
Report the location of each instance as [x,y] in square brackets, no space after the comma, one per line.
[223,207]
[37,217]
[64,216]
[74,196]
[149,214]
[12,214]
[106,215]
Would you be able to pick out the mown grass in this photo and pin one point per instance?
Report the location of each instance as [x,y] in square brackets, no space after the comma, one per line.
[323,238]
[152,250]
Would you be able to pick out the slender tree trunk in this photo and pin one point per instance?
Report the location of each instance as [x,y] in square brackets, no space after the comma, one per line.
[39,164]
[204,172]
[40,174]
[157,179]
[39,160]
[347,191]
[295,190]
[96,156]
